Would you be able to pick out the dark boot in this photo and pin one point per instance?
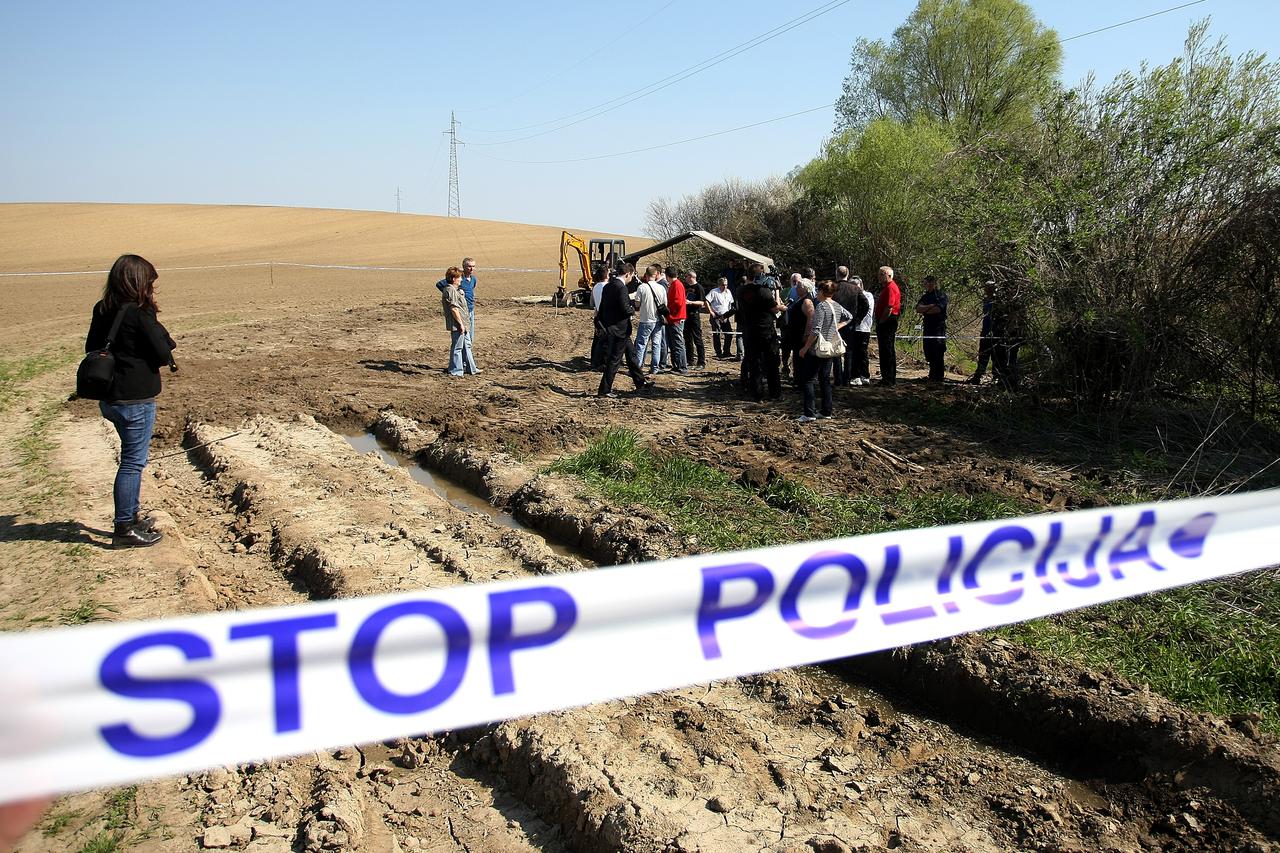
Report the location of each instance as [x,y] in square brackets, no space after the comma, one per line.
[134,536]
[146,523]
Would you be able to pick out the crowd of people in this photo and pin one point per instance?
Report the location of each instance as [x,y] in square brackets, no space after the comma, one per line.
[814,331]
[817,332]
[652,320]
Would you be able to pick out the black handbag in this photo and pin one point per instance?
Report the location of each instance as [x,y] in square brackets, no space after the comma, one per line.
[97,371]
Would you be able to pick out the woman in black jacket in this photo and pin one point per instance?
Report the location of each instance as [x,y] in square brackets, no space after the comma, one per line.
[141,347]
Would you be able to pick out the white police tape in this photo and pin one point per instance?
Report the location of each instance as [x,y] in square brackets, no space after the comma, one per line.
[116,703]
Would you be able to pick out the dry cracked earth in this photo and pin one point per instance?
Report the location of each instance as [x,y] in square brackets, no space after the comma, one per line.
[969,744]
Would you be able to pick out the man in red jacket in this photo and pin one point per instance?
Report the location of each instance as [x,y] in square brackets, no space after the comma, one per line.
[888,309]
[675,322]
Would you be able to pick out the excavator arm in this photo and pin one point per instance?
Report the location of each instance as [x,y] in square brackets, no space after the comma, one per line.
[569,241]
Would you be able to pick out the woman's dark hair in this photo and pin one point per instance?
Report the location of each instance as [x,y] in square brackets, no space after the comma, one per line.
[131,282]
[827,287]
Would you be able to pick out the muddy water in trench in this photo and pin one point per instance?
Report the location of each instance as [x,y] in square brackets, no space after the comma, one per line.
[457,495]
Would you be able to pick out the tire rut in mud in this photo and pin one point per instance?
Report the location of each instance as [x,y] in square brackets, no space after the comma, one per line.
[297,503]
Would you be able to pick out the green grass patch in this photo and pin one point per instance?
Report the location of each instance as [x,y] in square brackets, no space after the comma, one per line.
[34,452]
[117,820]
[104,842]
[119,814]
[58,821]
[14,372]
[723,514]
[85,612]
[210,321]
[1213,646]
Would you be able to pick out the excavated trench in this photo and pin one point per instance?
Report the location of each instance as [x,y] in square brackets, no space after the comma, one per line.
[456,494]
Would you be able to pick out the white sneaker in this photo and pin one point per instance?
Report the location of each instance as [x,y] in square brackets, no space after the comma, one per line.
[860,381]
[805,419]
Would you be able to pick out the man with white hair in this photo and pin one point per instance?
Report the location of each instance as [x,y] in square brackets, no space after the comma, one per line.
[888,310]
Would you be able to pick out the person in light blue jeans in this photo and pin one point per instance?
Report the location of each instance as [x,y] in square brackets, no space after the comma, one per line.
[454,305]
[124,324]
[649,296]
[648,336]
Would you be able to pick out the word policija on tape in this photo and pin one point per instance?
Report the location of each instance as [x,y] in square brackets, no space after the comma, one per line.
[109,704]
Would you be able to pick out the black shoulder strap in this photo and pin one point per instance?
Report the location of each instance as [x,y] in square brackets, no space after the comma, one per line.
[115,325]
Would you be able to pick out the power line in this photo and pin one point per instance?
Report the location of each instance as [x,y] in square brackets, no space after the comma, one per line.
[1131,21]
[569,67]
[663,145]
[765,121]
[672,79]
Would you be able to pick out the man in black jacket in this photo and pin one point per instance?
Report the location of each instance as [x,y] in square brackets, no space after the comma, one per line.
[759,307]
[615,318]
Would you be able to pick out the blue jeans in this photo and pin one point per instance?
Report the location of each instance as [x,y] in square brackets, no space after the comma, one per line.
[675,344]
[471,323]
[460,354]
[815,371]
[134,423]
[646,334]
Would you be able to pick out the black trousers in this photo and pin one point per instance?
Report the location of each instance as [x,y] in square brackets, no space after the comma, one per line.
[984,355]
[843,366]
[861,362]
[886,331]
[722,336]
[814,375]
[760,363]
[694,348]
[619,346]
[934,350]
[599,347]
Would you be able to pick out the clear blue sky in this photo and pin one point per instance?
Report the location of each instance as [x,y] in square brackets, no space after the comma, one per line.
[336,104]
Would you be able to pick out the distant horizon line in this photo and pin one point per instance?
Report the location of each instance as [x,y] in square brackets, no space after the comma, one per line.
[320,209]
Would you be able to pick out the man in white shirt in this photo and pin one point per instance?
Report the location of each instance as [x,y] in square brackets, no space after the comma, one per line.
[599,340]
[648,297]
[720,307]
[861,368]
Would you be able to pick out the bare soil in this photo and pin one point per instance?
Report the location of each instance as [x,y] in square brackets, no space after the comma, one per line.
[964,745]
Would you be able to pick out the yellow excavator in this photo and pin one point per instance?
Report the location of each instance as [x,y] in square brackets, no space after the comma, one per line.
[602,251]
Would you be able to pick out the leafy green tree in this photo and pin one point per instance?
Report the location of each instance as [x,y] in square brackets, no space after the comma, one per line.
[1133,222]
[875,188]
[978,64]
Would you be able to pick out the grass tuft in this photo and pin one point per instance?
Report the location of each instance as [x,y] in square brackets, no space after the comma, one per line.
[17,371]
[724,514]
[106,841]
[85,612]
[56,822]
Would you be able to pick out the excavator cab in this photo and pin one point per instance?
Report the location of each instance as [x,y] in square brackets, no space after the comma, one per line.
[607,252]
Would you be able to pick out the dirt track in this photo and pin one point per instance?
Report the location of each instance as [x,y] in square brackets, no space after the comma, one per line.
[965,746]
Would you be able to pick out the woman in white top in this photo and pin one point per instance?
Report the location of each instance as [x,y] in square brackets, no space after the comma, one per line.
[825,322]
